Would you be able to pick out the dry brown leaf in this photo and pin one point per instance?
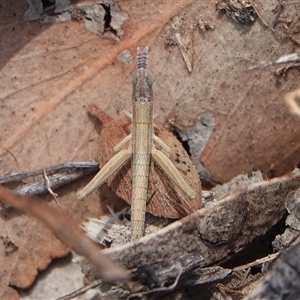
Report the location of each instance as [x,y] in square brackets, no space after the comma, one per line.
[35,246]
[165,198]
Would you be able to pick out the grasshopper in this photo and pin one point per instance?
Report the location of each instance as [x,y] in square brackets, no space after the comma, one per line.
[141,150]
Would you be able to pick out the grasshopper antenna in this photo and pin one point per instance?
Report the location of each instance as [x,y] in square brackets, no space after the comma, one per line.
[142,58]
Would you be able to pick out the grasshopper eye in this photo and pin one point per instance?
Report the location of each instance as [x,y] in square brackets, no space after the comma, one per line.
[134,80]
[149,80]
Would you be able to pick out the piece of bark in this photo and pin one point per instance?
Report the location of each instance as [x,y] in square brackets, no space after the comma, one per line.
[165,199]
[291,235]
[211,234]
[283,282]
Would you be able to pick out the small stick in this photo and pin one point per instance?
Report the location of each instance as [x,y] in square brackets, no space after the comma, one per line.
[58,175]
[183,51]
[50,190]
[81,290]
[160,289]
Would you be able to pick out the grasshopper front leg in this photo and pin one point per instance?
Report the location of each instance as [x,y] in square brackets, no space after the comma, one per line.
[110,167]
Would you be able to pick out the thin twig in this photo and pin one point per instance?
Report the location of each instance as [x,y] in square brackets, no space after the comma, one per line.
[13,156]
[58,175]
[282,282]
[62,168]
[257,262]
[183,51]
[50,190]
[160,289]
[284,59]
[81,290]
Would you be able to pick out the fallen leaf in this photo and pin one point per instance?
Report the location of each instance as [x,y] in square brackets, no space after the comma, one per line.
[33,252]
[165,198]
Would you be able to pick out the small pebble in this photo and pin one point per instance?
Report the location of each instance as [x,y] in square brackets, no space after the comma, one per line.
[125,57]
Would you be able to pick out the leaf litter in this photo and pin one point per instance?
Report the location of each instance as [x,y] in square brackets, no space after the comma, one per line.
[33,118]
